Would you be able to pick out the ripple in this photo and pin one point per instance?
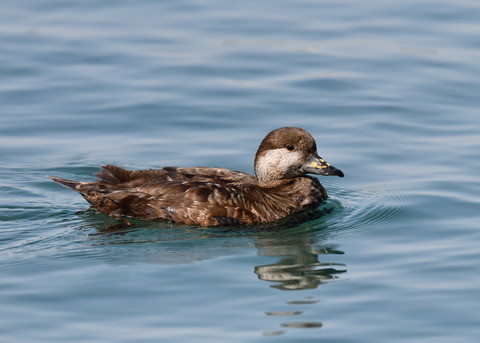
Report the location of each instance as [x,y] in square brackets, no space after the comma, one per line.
[274,333]
[283,313]
[303,325]
[372,205]
[303,302]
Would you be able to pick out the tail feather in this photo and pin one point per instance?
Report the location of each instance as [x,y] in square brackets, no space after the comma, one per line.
[112,175]
[73,185]
[109,177]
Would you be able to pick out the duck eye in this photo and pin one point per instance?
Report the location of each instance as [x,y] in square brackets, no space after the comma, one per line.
[290,147]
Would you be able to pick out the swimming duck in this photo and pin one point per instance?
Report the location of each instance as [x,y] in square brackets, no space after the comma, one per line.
[216,196]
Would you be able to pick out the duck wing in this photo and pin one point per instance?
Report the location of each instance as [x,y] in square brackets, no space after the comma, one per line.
[197,195]
[195,203]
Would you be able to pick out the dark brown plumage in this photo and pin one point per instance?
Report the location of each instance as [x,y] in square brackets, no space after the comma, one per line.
[216,196]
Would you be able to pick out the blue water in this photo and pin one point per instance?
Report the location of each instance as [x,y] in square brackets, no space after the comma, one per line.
[390,91]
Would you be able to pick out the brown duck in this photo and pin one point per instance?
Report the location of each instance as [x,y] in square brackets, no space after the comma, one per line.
[216,196]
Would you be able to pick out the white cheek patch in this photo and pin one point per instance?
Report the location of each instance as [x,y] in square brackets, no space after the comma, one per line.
[278,164]
[289,160]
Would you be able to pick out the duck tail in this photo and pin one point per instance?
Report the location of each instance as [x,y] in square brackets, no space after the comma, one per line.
[73,185]
[111,175]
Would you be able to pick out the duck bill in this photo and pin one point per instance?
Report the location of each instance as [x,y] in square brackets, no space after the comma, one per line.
[317,165]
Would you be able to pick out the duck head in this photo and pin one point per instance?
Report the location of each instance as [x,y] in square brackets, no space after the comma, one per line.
[289,152]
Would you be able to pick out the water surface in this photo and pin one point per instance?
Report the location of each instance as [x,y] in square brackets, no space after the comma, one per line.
[389,91]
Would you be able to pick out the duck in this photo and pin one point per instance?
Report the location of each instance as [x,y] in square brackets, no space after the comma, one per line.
[210,196]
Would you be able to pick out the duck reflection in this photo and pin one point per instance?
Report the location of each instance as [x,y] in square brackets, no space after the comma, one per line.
[297,249]
[298,267]
[299,252]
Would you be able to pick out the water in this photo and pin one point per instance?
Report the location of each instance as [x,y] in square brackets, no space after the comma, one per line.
[388,89]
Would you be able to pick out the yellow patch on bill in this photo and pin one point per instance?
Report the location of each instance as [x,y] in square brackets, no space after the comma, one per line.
[320,166]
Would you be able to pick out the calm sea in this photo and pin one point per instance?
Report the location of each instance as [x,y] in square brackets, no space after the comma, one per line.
[390,90]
